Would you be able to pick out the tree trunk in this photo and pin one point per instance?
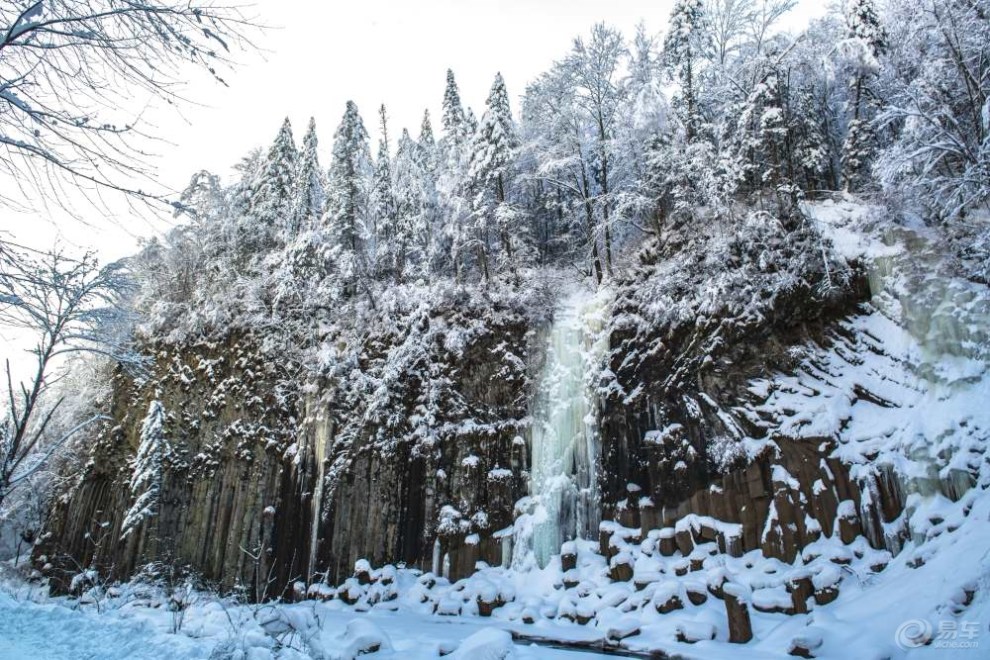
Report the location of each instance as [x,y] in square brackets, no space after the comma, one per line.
[606,219]
[504,231]
[483,260]
[589,213]
[689,96]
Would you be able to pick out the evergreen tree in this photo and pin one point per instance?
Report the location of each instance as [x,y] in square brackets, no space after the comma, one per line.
[271,196]
[491,159]
[470,123]
[383,200]
[683,48]
[247,168]
[203,199]
[427,144]
[427,233]
[351,173]
[453,204]
[868,41]
[495,140]
[412,230]
[453,119]
[763,134]
[309,189]
[644,122]
[146,469]
[863,23]
[810,147]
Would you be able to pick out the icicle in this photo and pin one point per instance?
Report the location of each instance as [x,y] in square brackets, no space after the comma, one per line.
[436,557]
[322,432]
[506,550]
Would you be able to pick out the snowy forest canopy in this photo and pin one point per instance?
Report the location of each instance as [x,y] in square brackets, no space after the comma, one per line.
[621,139]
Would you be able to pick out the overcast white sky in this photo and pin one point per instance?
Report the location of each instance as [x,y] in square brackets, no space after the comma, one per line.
[372,51]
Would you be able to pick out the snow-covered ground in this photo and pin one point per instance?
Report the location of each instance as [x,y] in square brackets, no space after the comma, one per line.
[423,617]
[135,625]
[52,631]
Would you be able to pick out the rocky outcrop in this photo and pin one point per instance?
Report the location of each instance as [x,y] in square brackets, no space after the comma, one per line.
[227,427]
[390,501]
[681,429]
[264,485]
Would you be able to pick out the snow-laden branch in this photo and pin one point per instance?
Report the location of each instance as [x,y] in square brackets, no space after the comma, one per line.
[68,305]
[68,72]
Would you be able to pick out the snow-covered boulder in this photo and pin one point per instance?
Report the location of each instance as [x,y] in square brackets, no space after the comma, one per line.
[486,644]
[361,636]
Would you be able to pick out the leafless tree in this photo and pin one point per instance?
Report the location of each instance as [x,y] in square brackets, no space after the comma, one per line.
[67,306]
[738,25]
[597,69]
[728,20]
[69,70]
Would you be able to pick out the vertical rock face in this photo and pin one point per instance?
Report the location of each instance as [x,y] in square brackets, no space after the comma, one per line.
[228,425]
[262,486]
[675,418]
[439,459]
[385,500]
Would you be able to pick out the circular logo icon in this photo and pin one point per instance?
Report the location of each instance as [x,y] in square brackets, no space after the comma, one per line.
[913,633]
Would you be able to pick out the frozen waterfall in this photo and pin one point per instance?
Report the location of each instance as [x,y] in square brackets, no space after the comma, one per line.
[322,433]
[565,448]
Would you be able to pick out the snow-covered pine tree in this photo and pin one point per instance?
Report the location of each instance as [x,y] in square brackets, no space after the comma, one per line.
[388,261]
[471,122]
[271,196]
[308,258]
[348,198]
[427,144]
[203,200]
[867,41]
[646,106]
[411,232]
[810,147]
[644,122]
[247,169]
[765,139]
[683,49]
[453,203]
[492,154]
[309,189]
[427,233]
[863,23]
[146,469]
[455,129]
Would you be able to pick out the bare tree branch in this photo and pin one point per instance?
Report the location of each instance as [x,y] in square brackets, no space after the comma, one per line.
[69,305]
[68,72]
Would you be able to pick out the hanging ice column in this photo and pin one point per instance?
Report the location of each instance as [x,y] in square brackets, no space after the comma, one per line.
[565,448]
[321,435]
